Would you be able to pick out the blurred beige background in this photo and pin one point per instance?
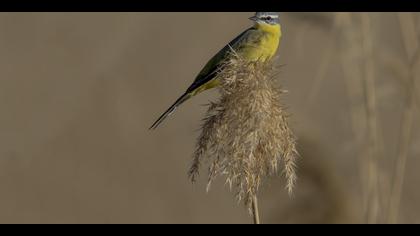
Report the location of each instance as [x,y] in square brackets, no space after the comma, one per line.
[78,92]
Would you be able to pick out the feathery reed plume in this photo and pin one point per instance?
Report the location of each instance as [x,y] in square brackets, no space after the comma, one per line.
[245,133]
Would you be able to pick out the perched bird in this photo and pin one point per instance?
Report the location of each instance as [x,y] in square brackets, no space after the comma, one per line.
[260,42]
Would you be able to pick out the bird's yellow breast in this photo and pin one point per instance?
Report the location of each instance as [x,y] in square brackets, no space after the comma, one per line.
[265,44]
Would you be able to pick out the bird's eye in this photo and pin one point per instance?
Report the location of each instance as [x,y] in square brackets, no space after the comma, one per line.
[268,18]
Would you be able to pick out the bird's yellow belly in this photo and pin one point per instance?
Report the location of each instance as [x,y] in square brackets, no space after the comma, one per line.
[262,50]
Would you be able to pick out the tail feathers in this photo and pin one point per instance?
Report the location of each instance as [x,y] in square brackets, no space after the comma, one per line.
[171,109]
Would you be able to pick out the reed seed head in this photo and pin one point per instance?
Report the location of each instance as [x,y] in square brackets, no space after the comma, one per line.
[245,134]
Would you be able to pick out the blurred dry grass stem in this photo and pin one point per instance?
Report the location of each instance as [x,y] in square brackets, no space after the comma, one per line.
[372,119]
[245,133]
[411,45]
[361,49]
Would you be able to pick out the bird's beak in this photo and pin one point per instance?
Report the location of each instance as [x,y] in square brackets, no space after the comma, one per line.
[254,18]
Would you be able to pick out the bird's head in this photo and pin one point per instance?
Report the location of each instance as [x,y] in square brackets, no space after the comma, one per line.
[271,18]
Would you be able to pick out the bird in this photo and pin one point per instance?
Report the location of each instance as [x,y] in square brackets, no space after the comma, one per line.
[257,43]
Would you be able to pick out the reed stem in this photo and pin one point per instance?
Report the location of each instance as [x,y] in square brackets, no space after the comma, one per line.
[255,211]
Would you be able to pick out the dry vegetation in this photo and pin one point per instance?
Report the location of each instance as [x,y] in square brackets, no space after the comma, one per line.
[245,134]
[364,60]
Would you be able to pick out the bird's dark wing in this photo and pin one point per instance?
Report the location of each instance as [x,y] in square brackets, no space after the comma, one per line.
[205,75]
[210,70]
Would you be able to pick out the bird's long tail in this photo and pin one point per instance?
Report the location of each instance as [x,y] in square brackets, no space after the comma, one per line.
[171,109]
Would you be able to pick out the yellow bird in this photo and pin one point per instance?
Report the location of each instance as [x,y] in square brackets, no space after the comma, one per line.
[260,42]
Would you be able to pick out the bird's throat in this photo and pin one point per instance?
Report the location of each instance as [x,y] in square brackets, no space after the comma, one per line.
[267,28]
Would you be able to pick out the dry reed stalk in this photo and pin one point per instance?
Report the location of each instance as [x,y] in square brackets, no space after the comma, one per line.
[411,45]
[350,56]
[360,82]
[372,120]
[245,133]
[255,210]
